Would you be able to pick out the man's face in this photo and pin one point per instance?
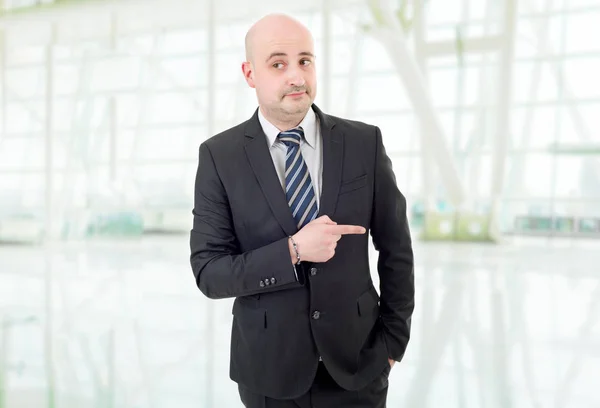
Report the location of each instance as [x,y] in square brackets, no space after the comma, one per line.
[282,71]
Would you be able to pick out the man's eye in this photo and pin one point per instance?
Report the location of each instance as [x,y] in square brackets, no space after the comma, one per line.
[278,65]
[305,62]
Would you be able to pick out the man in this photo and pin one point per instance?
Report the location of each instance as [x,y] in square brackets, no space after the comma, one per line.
[283,206]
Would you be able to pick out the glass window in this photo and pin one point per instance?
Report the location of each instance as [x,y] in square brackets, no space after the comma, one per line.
[569,176]
[66,78]
[539,36]
[534,82]
[185,42]
[171,73]
[535,179]
[21,152]
[111,74]
[26,82]
[534,127]
[445,11]
[375,57]
[397,131]
[228,67]
[25,54]
[167,143]
[580,32]
[172,107]
[581,116]
[443,86]
[376,93]
[343,95]
[25,117]
[408,175]
[579,74]
[476,174]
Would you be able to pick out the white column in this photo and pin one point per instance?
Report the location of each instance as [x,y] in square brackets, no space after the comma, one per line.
[211,311]
[3,81]
[48,137]
[112,110]
[50,234]
[503,127]
[3,360]
[325,56]
[427,162]
[354,72]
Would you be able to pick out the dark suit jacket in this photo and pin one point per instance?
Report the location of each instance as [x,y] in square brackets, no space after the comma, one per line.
[239,248]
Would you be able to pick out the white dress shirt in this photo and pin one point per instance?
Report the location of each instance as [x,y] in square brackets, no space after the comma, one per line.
[310,148]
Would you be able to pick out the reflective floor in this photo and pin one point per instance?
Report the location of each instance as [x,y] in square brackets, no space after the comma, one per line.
[121,324]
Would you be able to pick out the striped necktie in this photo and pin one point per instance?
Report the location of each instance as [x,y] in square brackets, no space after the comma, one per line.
[299,189]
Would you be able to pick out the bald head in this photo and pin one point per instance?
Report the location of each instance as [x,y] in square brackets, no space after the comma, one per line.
[269,29]
[280,65]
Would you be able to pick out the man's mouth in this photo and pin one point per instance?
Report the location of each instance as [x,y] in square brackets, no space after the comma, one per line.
[296,93]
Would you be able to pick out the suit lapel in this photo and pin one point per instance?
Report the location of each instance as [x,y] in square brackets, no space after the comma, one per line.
[333,152]
[257,151]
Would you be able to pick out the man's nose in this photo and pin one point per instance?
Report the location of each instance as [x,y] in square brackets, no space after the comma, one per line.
[295,77]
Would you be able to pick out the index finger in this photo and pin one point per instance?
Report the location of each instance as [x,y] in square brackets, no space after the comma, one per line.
[347,229]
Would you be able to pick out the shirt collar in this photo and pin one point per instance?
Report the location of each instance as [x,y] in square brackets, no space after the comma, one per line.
[308,124]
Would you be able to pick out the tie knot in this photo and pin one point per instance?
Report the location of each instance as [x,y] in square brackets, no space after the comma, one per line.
[291,137]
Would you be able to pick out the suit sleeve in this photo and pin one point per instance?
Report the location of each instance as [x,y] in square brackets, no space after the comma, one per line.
[220,269]
[391,238]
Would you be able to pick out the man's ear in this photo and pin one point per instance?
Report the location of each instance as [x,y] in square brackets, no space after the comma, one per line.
[248,71]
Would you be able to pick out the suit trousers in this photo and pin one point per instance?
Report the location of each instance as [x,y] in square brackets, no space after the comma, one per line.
[326,393]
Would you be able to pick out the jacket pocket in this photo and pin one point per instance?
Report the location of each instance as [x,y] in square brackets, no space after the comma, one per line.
[354,184]
[249,318]
[368,303]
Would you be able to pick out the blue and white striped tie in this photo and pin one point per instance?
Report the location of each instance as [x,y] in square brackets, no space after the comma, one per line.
[299,189]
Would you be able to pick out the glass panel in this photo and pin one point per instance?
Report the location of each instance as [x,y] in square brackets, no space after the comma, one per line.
[67,78]
[539,36]
[179,72]
[587,114]
[570,178]
[580,32]
[114,74]
[529,76]
[578,74]
[343,96]
[165,143]
[21,153]
[375,93]
[579,4]
[536,178]
[172,108]
[443,86]
[24,118]
[229,67]
[534,127]
[183,42]
[449,11]
[374,57]
[26,82]
[25,55]
[231,35]
[398,131]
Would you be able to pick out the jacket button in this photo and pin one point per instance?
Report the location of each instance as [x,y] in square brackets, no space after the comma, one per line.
[313,271]
[262,284]
[316,315]
[267,282]
[273,280]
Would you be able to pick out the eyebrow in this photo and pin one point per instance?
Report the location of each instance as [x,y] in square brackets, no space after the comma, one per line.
[283,54]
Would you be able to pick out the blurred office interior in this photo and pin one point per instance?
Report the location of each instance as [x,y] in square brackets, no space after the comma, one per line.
[489,111]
